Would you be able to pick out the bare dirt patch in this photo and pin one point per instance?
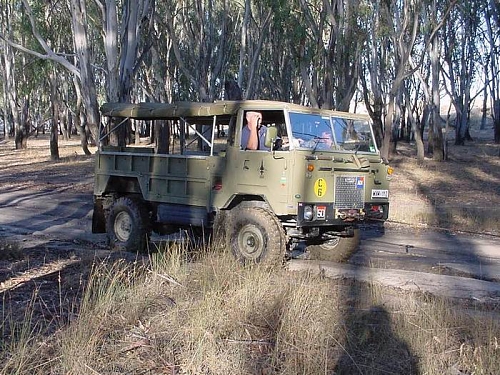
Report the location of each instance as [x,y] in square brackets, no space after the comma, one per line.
[33,168]
[461,194]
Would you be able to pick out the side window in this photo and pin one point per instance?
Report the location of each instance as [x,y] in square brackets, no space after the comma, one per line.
[224,132]
[207,135]
[263,119]
[198,135]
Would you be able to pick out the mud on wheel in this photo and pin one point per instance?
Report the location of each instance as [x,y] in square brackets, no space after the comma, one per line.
[127,225]
[256,236]
[219,229]
[335,249]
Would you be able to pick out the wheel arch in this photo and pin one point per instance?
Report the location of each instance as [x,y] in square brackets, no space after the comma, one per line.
[123,185]
[247,200]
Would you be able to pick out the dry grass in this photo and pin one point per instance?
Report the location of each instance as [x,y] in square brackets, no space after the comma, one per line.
[173,316]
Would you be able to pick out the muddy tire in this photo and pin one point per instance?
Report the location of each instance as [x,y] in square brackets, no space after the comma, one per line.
[127,225]
[256,236]
[219,229]
[338,249]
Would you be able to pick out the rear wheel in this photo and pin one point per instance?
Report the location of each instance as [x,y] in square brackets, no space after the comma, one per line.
[127,225]
[335,249]
[256,236]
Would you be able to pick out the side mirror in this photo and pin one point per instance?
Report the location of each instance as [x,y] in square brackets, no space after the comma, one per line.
[271,135]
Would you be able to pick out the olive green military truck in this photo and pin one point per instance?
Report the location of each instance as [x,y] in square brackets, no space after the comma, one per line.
[316,176]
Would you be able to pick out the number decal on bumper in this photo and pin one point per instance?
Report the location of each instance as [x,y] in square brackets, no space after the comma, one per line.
[321,212]
[380,193]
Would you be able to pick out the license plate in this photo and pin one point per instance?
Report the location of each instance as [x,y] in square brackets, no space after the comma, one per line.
[321,212]
[380,193]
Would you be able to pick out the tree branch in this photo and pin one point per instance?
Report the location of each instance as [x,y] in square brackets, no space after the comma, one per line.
[50,55]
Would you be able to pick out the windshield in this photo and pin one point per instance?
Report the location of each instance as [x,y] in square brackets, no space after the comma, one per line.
[317,132]
[311,131]
[354,135]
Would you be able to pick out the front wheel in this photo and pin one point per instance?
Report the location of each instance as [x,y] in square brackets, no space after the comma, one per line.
[336,249]
[127,225]
[256,236]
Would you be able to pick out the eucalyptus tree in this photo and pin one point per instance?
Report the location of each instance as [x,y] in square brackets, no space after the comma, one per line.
[427,69]
[461,61]
[201,33]
[492,19]
[324,41]
[345,37]
[11,110]
[85,72]
[374,64]
[255,36]
[56,31]
[421,93]
[156,70]
[292,69]
[404,28]
[24,77]
[4,117]
[403,34]
[392,34]
[126,26]
[415,94]
[124,29]
[435,17]
[43,48]
[156,77]
[279,74]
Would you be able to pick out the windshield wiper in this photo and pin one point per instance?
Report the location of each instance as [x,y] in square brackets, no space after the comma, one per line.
[317,141]
[313,138]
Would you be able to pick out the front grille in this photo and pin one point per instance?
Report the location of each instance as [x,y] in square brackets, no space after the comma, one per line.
[349,192]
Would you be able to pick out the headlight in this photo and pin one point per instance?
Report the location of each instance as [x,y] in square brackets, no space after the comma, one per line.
[308,213]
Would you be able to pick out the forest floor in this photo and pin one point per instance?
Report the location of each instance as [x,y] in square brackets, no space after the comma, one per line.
[461,194]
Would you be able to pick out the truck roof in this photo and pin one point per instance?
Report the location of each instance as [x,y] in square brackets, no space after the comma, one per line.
[175,110]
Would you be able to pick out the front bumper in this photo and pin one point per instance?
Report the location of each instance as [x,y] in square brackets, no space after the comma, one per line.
[314,214]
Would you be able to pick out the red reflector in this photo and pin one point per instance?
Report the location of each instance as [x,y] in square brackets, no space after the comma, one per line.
[217,186]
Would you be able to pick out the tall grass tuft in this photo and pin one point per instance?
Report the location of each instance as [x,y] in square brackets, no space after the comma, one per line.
[20,345]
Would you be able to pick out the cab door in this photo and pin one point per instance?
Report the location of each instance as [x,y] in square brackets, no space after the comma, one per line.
[265,174]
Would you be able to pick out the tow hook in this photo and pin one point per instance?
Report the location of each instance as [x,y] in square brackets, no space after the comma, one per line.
[351,215]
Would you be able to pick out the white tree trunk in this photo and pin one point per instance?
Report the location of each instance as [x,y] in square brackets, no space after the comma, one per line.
[89,95]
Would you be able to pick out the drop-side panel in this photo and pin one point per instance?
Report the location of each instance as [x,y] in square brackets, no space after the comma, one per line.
[163,178]
[179,179]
